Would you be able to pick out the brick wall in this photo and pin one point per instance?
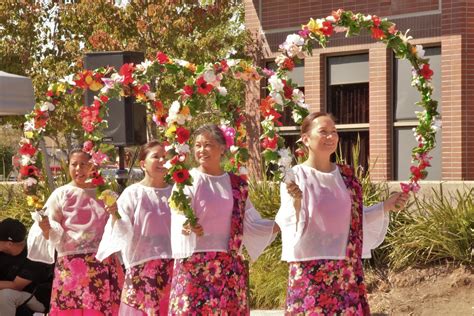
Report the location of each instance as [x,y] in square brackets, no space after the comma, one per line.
[453,28]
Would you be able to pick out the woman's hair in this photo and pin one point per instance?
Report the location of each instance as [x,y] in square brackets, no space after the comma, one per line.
[80,151]
[145,149]
[307,124]
[214,131]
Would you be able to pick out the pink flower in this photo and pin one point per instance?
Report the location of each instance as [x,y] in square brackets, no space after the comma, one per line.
[78,267]
[229,134]
[99,158]
[87,146]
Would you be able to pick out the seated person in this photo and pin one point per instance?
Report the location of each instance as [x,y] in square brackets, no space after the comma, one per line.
[23,283]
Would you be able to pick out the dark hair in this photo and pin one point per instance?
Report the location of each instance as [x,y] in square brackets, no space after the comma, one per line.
[214,131]
[145,149]
[78,150]
[309,119]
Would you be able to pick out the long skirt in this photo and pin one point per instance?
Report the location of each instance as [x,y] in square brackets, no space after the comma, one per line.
[146,289]
[210,283]
[326,287]
[84,286]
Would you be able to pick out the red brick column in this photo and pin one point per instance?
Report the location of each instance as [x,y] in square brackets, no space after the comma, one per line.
[314,82]
[455,95]
[380,116]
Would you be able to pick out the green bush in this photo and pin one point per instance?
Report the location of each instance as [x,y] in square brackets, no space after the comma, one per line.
[6,154]
[13,204]
[439,229]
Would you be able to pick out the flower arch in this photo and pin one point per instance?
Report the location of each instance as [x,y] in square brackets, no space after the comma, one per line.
[204,86]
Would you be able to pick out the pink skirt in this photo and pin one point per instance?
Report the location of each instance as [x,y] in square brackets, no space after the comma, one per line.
[84,286]
[146,290]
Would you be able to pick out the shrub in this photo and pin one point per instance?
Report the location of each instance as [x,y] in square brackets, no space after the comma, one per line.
[440,228]
[13,204]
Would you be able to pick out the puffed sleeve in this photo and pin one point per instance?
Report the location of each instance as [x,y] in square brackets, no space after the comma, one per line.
[291,228]
[118,233]
[42,249]
[258,232]
[375,226]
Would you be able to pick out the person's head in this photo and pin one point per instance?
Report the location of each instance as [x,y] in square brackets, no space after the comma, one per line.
[152,157]
[319,134]
[80,166]
[12,236]
[209,145]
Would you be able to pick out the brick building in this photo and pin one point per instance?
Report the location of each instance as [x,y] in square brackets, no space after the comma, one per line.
[369,91]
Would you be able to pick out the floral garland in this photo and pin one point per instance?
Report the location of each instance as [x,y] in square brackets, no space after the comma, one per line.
[204,86]
[317,32]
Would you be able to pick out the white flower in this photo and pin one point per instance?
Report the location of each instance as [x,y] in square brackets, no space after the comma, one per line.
[182,148]
[150,95]
[367,18]
[233,149]
[284,153]
[182,63]
[420,51]
[243,170]
[232,62]
[69,80]
[280,59]
[331,19]
[404,37]
[30,181]
[210,76]
[26,160]
[47,106]
[292,39]
[174,108]
[294,50]
[222,91]
[168,147]
[288,175]
[276,83]
[144,65]
[436,125]
[277,97]
[168,165]
[29,126]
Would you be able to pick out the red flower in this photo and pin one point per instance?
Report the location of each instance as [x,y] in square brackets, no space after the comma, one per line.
[29,171]
[126,71]
[98,180]
[27,149]
[376,21]
[104,98]
[162,58]
[182,134]
[287,90]
[347,171]
[87,146]
[188,90]
[181,176]
[327,28]
[270,143]
[221,67]
[203,87]
[158,105]
[288,64]
[426,72]
[299,152]
[377,33]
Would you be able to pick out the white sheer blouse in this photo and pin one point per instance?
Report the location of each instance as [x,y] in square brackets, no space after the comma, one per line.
[143,231]
[323,227]
[77,222]
[212,202]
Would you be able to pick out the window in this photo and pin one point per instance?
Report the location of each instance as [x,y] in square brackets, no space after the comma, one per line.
[405,97]
[348,101]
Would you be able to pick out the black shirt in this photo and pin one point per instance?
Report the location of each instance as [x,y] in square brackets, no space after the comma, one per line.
[20,266]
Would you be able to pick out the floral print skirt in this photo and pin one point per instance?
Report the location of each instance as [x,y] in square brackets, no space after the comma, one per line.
[84,286]
[326,287]
[210,283]
[147,288]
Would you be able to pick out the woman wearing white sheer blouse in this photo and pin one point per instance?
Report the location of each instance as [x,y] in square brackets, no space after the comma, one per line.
[210,275]
[142,234]
[326,230]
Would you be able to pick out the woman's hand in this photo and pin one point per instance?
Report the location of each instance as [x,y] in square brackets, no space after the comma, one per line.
[112,210]
[396,201]
[294,190]
[197,229]
[45,226]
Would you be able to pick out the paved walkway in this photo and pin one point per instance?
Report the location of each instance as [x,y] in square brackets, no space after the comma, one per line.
[267,312]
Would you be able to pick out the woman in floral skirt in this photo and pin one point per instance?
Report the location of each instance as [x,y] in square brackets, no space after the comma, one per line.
[141,231]
[73,228]
[326,230]
[210,275]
